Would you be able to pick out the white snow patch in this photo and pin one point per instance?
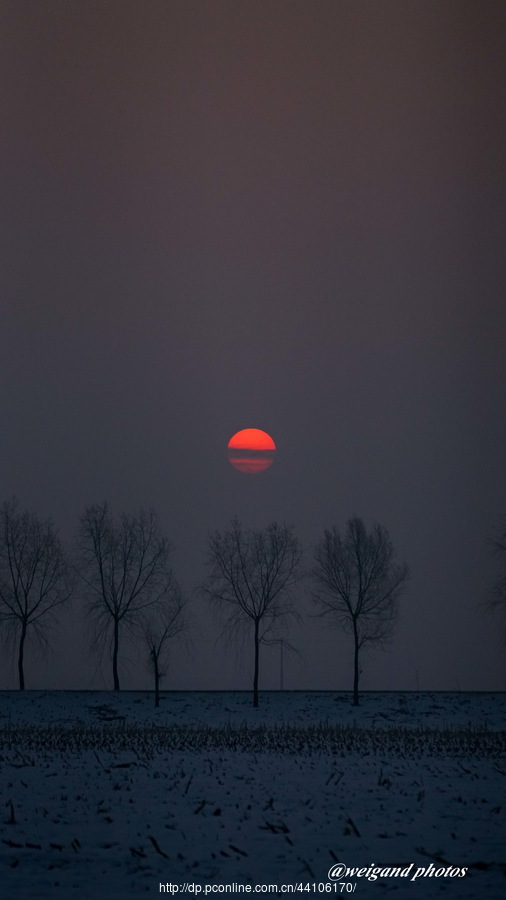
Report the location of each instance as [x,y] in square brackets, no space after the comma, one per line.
[117,797]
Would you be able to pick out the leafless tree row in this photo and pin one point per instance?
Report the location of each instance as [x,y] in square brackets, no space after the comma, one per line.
[129,585]
[120,568]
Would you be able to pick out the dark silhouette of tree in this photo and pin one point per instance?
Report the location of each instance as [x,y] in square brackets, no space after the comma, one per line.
[162,625]
[358,584]
[496,600]
[35,577]
[251,577]
[125,568]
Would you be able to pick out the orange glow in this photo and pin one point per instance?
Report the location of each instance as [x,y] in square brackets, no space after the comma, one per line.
[251,451]
[252,439]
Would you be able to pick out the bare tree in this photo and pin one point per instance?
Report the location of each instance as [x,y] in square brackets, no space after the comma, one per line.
[251,577]
[125,567]
[163,624]
[496,600]
[358,584]
[34,577]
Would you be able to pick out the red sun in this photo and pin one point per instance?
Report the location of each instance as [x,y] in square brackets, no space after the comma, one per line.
[251,451]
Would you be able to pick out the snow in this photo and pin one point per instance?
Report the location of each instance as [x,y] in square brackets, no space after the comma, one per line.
[105,796]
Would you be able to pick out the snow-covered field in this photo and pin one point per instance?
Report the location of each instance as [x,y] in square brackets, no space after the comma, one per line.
[105,796]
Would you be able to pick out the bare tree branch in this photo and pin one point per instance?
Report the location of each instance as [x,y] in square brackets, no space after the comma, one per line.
[162,624]
[35,577]
[125,569]
[251,579]
[496,598]
[358,584]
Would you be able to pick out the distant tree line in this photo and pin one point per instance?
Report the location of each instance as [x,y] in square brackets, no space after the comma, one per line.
[120,568]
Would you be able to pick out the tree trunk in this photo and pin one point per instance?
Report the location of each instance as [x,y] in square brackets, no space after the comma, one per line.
[20,657]
[355,666]
[255,675]
[115,655]
[157,681]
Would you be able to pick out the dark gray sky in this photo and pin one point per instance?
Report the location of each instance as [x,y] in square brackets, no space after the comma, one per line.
[286,215]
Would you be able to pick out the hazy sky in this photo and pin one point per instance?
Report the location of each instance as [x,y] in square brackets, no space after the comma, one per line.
[285,214]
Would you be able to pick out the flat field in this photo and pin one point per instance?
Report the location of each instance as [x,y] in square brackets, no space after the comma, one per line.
[105,796]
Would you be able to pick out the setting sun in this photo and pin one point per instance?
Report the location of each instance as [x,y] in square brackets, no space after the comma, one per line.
[251,450]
